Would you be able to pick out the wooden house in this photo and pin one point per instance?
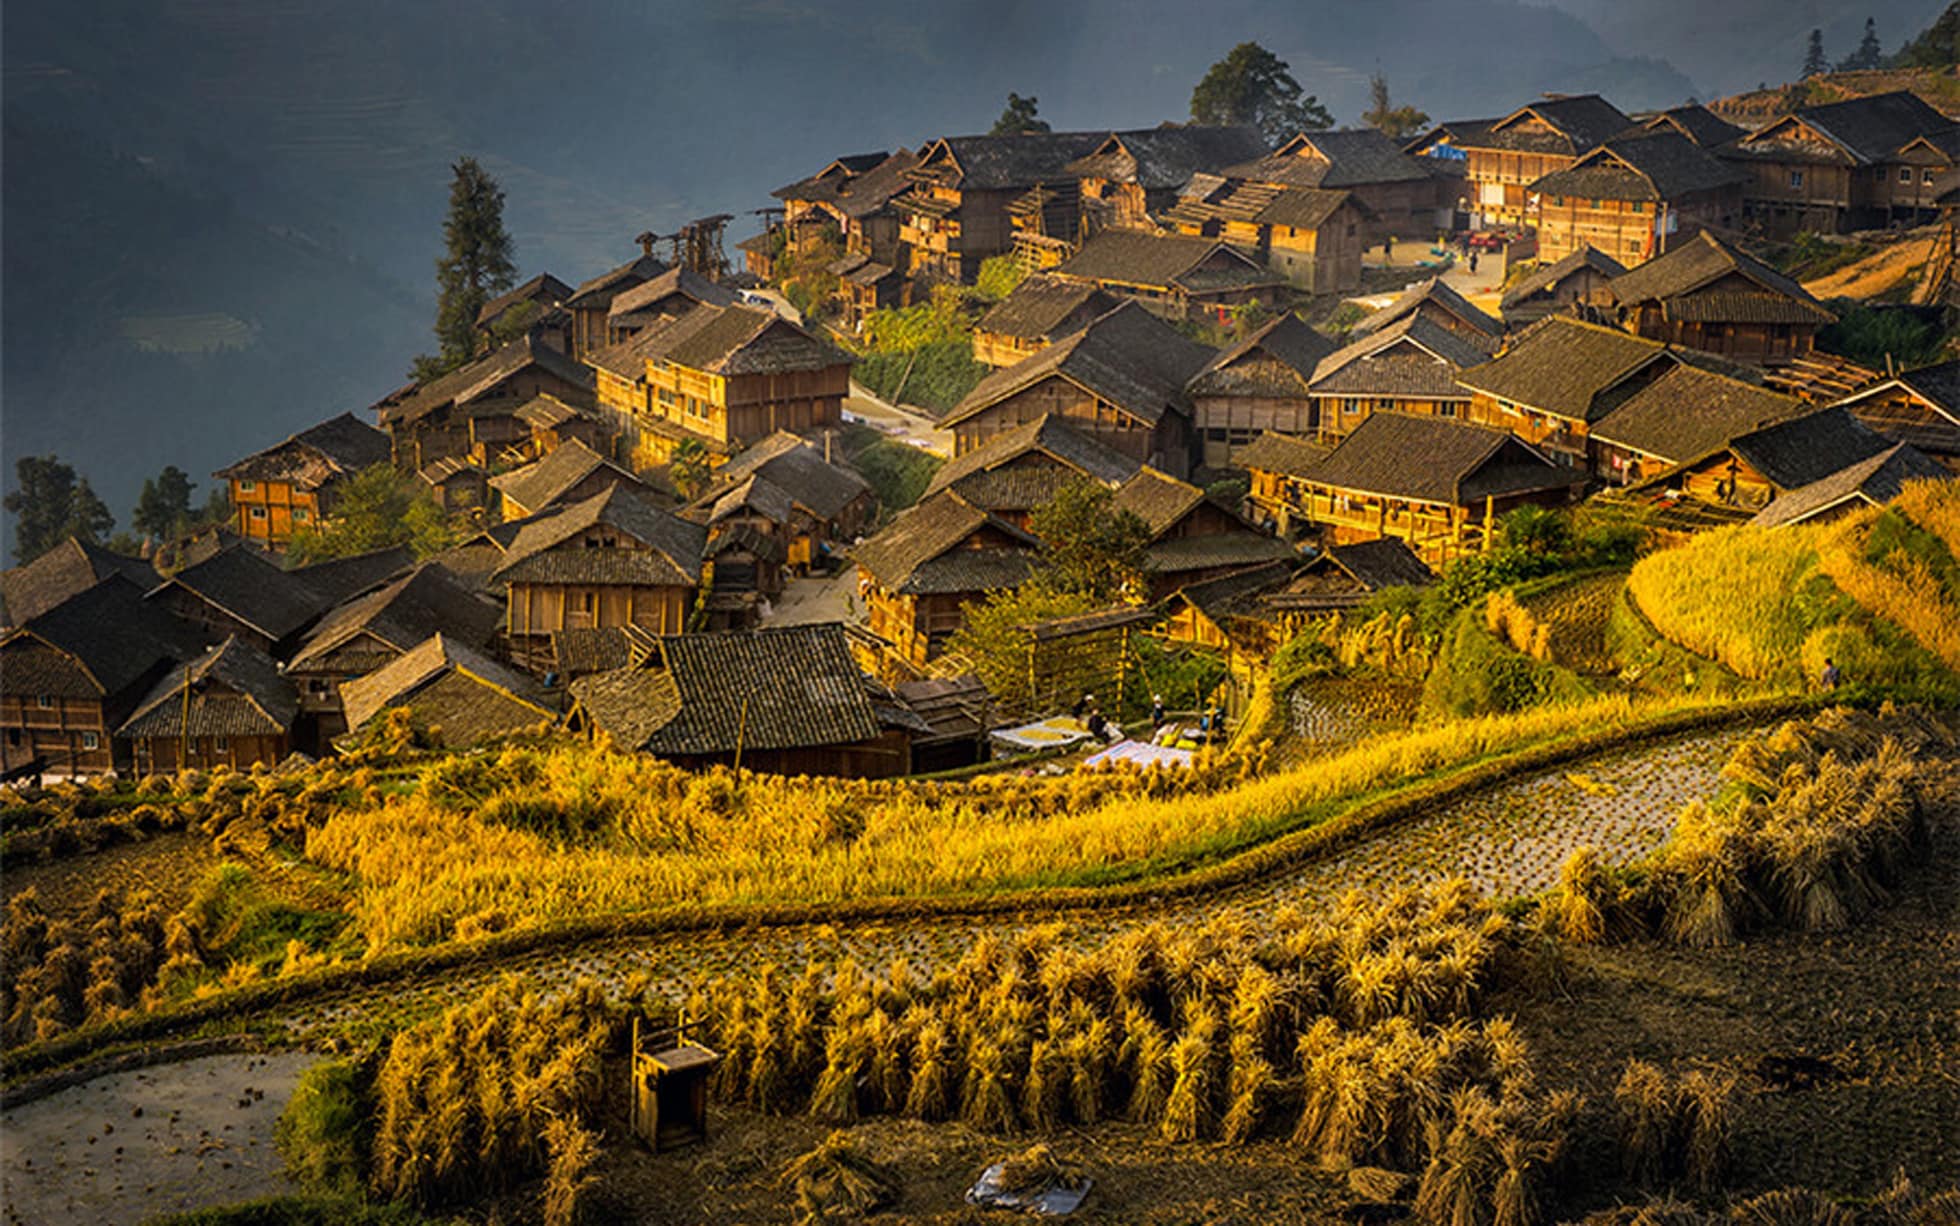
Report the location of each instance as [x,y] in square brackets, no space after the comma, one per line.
[339,579]
[1224,615]
[1175,276]
[786,700]
[1192,538]
[1504,157]
[552,422]
[918,575]
[1023,469]
[1920,406]
[289,487]
[955,213]
[456,483]
[1635,196]
[1706,294]
[371,629]
[240,592]
[1752,470]
[542,300]
[1437,301]
[1342,577]
[850,198]
[572,473]
[1120,379]
[613,560]
[230,707]
[1393,192]
[1260,384]
[1274,463]
[668,296]
[1873,481]
[726,376]
[590,305]
[1312,237]
[69,569]
[1040,311]
[1131,177]
[1411,366]
[71,674]
[460,696]
[1677,416]
[472,411]
[1693,121]
[958,713]
[787,490]
[1557,379]
[1438,484]
[1865,163]
[865,285]
[1577,279]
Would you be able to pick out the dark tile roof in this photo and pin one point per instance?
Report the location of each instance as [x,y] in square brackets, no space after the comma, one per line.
[1655,166]
[234,690]
[1157,498]
[541,484]
[1678,277]
[994,163]
[1938,384]
[1163,262]
[797,468]
[427,601]
[545,412]
[1877,479]
[1547,278]
[1579,123]
[1801,450]
[868,192]
[543,289]
[786,687]
[1861,130]
[664,294]
[922,552]
[1232,594]
[1040,304]
[825,184]
[1282,454]
[1563,366]
[70,568]
[1349,158]
[1019,488]
[723,340]
[597,294]
[952,707]
[1436,460]
[1168,156]
[672,557]
[253,591]
[1444,295]
[1388,562]
[1050,435]
[1129,357]
[1937,387]
[110,631]
[583,650]
[1688,413]
[1214,550]
[1306,208]
[753,493]
[1276,360]
[1696,122]
[1413,358]
[485,375]
[497,701]
[343,578]
[309,459]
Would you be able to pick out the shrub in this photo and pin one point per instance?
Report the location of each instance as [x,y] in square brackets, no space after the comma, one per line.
[322,1133]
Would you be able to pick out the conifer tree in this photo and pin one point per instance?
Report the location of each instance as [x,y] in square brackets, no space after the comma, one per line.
[49,504]
[1252,85]
[475,266]
[1019,117]
[1814,62]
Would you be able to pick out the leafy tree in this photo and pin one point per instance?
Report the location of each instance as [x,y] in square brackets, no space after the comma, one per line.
[163,509]
[1252,85]
[1814,62]
[88,515]
[376,508]
[1938,46]
[1018,117]
[514,324]
[998,276]
[1400,122]
[688,468]
[991,637]
[49,504]
[1089,547]
[475,267]
[1868,55]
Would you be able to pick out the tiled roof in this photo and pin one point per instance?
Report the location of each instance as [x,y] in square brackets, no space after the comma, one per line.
[234,689]
[1414,358]
[1688,413]
[672,557]
[1388,562]
[1018,488]
[1563,366]
[537,486]
[543,289]
[1696,122]
[583,650]
[723,340]
[1436,460]
[1801,450]
[1282,454]
[425,602]
[110,631]
[1167,157]
[787,687]
[309,459]
[251,590]
[681,283]
[1234,594]
[797,468]
[993,163]
[1579,123]
[1305,208]
[1128,357]
[68,569]
[1548,277]
[597,293]
[1444,295]
[341,578]
[754,493]
[1700,262]
[1050,435]
[1276,360]
[1862,130]
[1040,304]
[485,375]
[546,412]
[501,701]
[1877,479]
[922,551]
[1157,498]
[1349,158]
[1213,550]
[1164,261]
[1654,166]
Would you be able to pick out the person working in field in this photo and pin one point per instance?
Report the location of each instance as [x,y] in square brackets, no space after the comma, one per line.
[1830,677]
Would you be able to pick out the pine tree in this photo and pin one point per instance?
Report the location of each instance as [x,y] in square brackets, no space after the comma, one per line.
[88,515]
[49,504]
[1018,117]
[1252,85]
[1814,62]
[1868,55]
[163,509]
[1400,122]
[476,266]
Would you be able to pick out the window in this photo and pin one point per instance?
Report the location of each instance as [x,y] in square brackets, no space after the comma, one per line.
[1558,202]
[44,701]
[246,487]
[91,741]
[1927,178]
[1796,178]
[1640,206]
[221,744]
[301,515]
[1905,174]
[258,512]
[1596,202]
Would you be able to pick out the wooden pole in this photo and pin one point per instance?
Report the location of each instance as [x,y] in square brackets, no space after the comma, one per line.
[184,729]
[741,735]
[1122,660]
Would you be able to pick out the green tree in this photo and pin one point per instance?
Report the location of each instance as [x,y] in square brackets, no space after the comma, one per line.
[1814,61]
[475,267]
[1252,85]
[998,276]
[1938,45]
[688,467]
[1399,122]
[49,504]
[1018,117]
[377,508]
[1088,546]
[163,509]
[1868,55]
[992,638]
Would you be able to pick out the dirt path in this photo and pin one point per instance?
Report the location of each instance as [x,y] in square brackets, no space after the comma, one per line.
[1874,274]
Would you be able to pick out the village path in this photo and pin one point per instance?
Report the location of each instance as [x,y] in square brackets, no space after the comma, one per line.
[906,425]
[1484,288]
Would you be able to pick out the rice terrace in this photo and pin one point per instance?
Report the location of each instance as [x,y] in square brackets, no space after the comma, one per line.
[1251,669]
